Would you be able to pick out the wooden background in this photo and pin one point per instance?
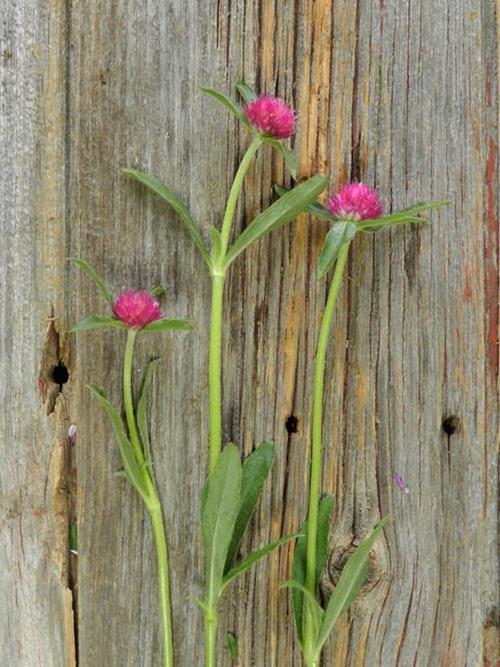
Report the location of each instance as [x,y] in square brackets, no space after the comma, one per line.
[400,94]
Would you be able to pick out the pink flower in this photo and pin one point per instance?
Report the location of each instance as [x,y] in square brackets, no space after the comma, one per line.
[271,116]
[136,309]
[357,201]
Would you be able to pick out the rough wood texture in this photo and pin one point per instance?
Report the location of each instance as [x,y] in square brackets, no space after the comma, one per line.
[403,95]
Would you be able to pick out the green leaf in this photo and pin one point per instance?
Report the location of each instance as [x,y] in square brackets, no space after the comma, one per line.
[230,104]
[127,453]
[99,282]
[157,291]
[167,325]
[341,232]
[300,558]
[246,92]
[316,209]
[348,586]
[97,322]
[199,602]
[142,418]
[169,196]
[219,512]
[232,646]
[254,474]
[288,154]
[255,556]
[216,243]
[290,161]
[324,519]
[407,215]
[282,211]
[310,601]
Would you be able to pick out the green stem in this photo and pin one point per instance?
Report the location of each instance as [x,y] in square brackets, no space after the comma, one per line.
[163,583]
[317,425]
[234,193]
[153,504]
[210,636]
[215,371]
[218,279]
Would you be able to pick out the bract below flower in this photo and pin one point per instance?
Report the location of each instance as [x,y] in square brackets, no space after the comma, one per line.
[271,116]
[357,201]
[136,309]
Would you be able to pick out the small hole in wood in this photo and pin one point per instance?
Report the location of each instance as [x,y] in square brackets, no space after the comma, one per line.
[451,424]
[292,424]
[60,374]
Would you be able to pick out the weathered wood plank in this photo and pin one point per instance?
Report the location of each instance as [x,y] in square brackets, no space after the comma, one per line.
[36,620]
[403,95]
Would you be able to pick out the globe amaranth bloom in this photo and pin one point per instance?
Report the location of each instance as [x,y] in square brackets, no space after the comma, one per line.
[136,309]
[356,201]
[271,116]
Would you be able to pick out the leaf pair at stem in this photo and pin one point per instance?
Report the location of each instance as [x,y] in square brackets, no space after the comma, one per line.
[281,212]
[229,501]
[348,586]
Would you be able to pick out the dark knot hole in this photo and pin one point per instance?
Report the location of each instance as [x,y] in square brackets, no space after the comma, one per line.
[60,374]
[451,424]
[292,424]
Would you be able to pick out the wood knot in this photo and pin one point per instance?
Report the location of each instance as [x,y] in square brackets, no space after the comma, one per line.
[377,565]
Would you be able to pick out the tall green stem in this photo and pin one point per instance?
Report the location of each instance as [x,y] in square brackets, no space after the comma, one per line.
[218,279]
[210,637]
[317,426]
[219,269]
[163,583]
[215,371]
[152,504]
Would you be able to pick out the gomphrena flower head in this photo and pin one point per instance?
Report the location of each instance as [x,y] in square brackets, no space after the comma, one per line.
[356,201]
[136,309]
[271,116]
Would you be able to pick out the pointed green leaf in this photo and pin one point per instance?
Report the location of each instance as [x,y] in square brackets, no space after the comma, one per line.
[300,558]
[127,453]
[142,418]
[254,474]
[310,601]
[157,291]
[290,161]
[341,232]
[402,217]
[98,281]
[219,512]
[288,155]
[246,92]
[316,209]
[216,243]
[97,322]
[348,586]
[167,325]
[169,196]
[282,211]
[230,104]
[255,556]
[232,646]
[199,602]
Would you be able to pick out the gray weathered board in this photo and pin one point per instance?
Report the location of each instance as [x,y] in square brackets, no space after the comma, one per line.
[401,94]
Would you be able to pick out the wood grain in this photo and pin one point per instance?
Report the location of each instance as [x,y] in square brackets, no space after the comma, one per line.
[402,95]
[36,626]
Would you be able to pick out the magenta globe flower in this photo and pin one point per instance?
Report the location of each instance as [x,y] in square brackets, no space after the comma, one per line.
[356,201]
[136,309]
[271,116]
